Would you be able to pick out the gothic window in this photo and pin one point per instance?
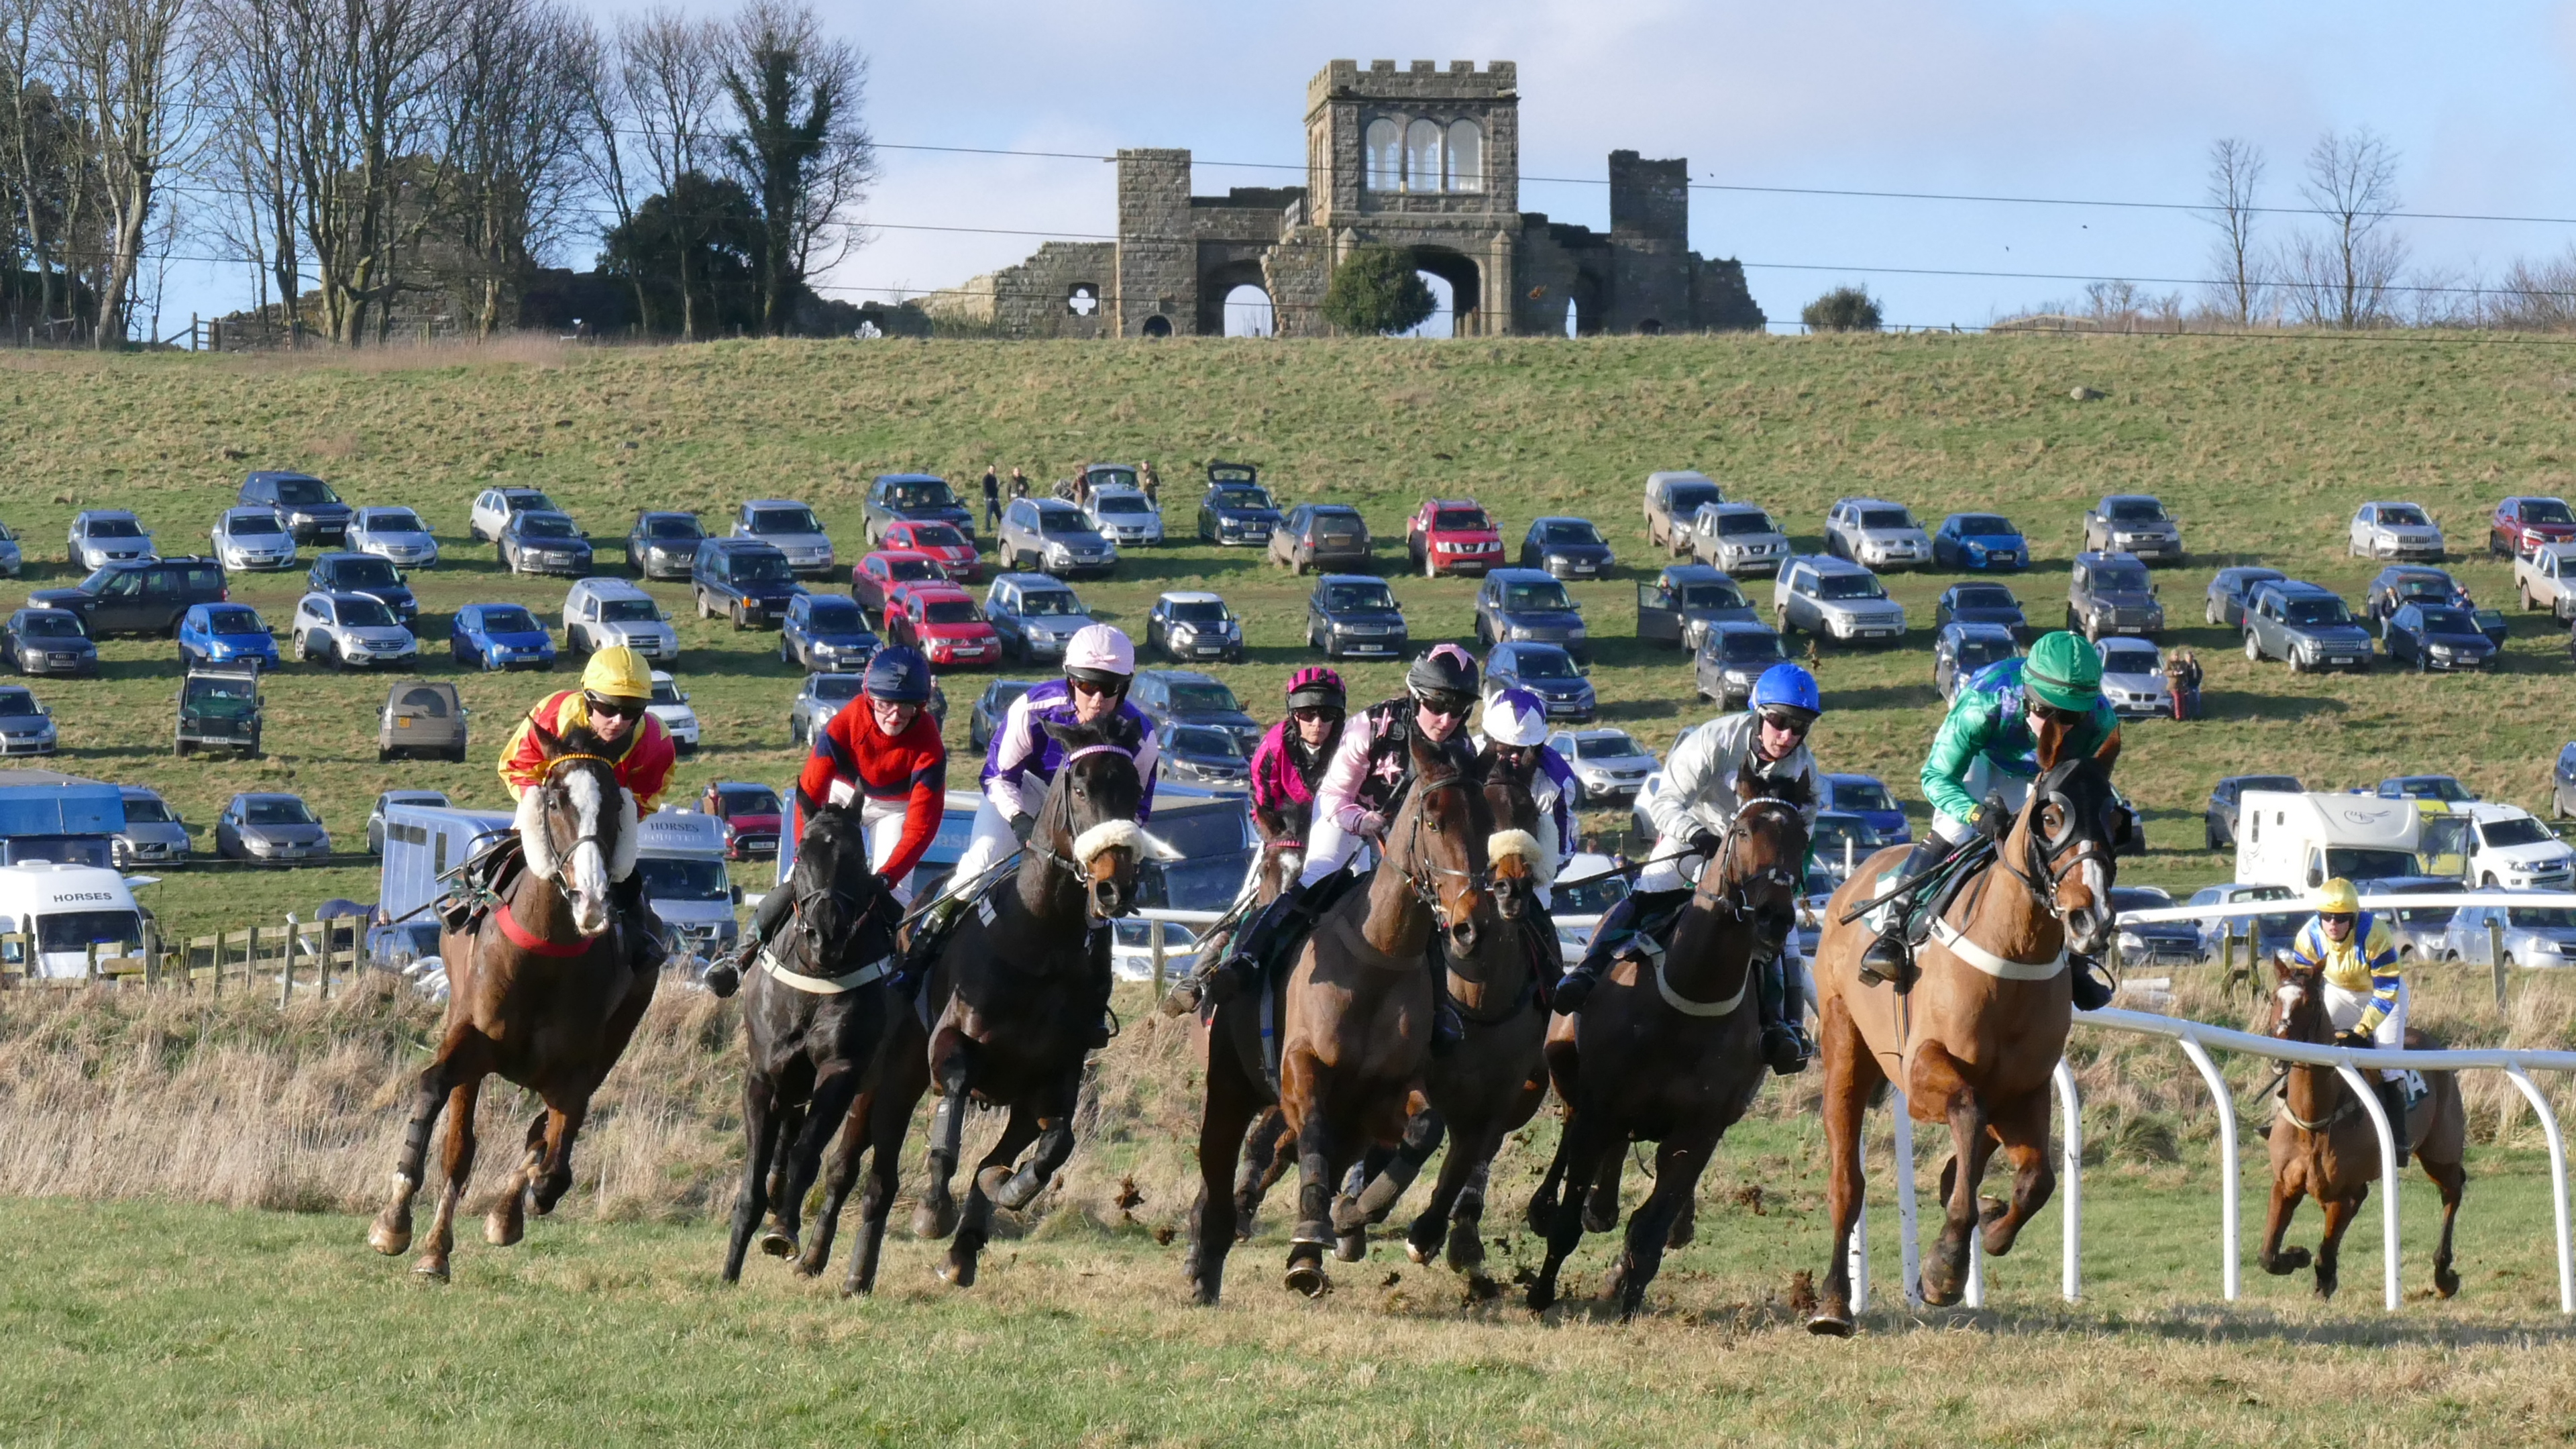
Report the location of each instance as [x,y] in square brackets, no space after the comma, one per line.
[1385,158]
[1422,156]
[1466,156]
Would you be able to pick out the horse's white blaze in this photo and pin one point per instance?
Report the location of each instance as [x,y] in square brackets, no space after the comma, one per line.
[1523,844]
[588,876]
[2099,883]
[1116,835]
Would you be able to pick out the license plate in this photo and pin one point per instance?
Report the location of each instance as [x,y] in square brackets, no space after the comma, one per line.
[1877,633]
[1209,651]
[2340,659]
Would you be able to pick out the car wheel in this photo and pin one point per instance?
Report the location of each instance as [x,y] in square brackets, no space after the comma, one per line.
[703,611]
[2253,650]
[2450,956]
[1430,570]
[2209,612]
[741,618]
[2487,882]
[179,749]
[383,756]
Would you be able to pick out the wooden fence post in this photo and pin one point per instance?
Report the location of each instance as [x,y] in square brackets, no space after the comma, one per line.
[286,967]
[1154,943]
[151,953]
[2495,957]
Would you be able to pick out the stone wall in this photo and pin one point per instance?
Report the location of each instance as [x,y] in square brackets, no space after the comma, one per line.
[1650,198]
[1157,253]
[1063,291]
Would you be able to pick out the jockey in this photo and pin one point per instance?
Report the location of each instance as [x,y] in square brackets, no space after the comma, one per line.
[1516,722]
[1691,815]
[887,763]
[2365,996]
[1289,763]
[1986,755]
[1367,777]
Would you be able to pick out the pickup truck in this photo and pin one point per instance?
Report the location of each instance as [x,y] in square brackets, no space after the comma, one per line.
[2545,576]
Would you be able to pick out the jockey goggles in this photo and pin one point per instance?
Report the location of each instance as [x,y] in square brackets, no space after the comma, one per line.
[1789,722]
[1445,704]
[618,705]
[1310,714]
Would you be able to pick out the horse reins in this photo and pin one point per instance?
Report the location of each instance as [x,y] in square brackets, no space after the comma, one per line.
[548,794]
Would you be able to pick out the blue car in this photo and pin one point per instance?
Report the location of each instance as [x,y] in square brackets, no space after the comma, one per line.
[826,633]
[500,636]
[225,634]
[1979,541]
[1866,797]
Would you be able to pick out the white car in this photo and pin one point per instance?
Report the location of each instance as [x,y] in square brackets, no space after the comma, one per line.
[351,631]
[2133,679]
[1608,765]
[252,538]
[395,535]
[671,707]
[493,507]
[599,612]
[1124,516]
[2511,849]
[2396,531]
[1876,533]
[791,528]
[101,536]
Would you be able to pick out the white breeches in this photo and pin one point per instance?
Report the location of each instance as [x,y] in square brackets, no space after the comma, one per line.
[2344,1008]
[1329,847]
[991,841]
[1981,779]
[1677,874]
[883,820]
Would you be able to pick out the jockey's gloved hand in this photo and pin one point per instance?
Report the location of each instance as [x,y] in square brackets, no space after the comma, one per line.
[2355,1038]
[1993,821]
[1021,825]
[1370,825]
[1703,843]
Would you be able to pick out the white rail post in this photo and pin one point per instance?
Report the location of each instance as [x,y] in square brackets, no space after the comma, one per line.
[2224,1098]
[2070,1110]
[2557,1181]
[1975,1297]
[1858,1248]
[2387,1175]
[1910,1252]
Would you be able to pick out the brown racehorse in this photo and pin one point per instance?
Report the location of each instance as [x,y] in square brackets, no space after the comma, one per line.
[540,991]
[1671,1053]
[1354,1020]
[1976,1039]
[2323,1145]
[1004,1017]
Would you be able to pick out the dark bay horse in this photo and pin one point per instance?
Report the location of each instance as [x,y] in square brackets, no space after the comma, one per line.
[1975,1041]
[1004,1018]
[541,991]
[813,1014]
[2323,1146]
[1671,1053]
[1353,1017]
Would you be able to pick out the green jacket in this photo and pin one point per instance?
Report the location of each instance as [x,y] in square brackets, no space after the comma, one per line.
[1988,717]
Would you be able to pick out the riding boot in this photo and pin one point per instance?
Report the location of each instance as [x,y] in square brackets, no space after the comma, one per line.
[2092,985]
[2392,1100]
[1278,926]
[725,976]
[930,932]
[1619,926]
[1784,1033]
[1890,958]
[635,915]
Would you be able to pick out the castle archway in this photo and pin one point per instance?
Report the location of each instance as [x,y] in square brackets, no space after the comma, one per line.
[1458,283]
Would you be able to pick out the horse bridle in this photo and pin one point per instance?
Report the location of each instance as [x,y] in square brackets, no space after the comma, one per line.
[2057,856]
[1064,811]
[1735,893]
[2310,984]
[830,890]
[549,794]
[1417,861]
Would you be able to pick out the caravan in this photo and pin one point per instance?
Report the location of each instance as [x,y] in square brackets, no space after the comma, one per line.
[680,852]
[2303,840]
[51,818]
[57,913]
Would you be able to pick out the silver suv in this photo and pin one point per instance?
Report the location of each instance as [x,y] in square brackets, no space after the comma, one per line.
[1876,534]
[1738,539]
[1835,600]
[601,612]
[2133,523]
[791,528]
[1052,535]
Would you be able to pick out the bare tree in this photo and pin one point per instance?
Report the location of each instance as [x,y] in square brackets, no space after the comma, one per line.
[2235,179]
[607,117]
[251,93]
[511,96]
[125,61]
[2343,278]
[667,70]
[800,150]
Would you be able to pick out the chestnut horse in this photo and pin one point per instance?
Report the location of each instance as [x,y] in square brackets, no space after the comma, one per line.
[1677,1059]
[1976,1039]
[541,991]
[2323,1145]
[1354,1020]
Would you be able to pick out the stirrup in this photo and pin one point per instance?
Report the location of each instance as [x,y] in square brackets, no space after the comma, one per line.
[1785,1048]
[1899,973]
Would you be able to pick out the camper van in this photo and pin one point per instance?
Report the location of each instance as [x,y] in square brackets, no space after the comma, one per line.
[57,912]
[2303,840]
[680,852]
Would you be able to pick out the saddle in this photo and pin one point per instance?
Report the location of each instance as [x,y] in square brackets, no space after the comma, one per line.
[482,883]
[1924,899]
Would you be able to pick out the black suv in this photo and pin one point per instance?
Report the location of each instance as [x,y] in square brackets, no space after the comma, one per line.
[2110,593]
[743,579]
[912,498]
[1355,614]
[145,596]
[363,573]
[662,545]
[305,504]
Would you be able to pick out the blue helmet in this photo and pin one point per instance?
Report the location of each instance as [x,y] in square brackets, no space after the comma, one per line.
[1788,686]
[899,675]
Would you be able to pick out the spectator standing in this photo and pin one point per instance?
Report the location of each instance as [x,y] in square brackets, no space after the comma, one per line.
[1153,488]
[992,497]
[1019,485]
[2182,681]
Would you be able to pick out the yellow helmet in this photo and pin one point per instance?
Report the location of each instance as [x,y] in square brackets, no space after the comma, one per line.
[619,673]
[2337,898]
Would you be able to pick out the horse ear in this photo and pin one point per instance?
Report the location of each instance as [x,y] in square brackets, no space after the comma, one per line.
[2053,735]
[547,740]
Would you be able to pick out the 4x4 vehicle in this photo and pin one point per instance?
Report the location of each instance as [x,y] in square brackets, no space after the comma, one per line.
[1732,659]
[1546,671]
[2436,636]
[1351,614]
[304,503]
[2111,593]
[47,641]
[2228,592]
[351,630]
[941,620]
[912,498]
[1608,765]
[535,541]
[2133,523]
[363,573]
[1185,696]
[2545,578]
[2511,850]
[2400,585]
[218,709]
[791,528]
[1036,615]
[1569,548]
[2440,791]
[1194,624]
[1835,600]
[493,507]
[422,717]
[137,598]
[1685,601]
[2520,525]
[743,579]
[2309,627]
[1122,514]
[1876,534]
[1980,604]
[1737,538]
[395,535]
[671,706]
[1051,535]
[1452,536]
[1236,511]
[1979,541]
[1963,647]
[1320,535]
[2395,530]
[1673,499]
[102,536]
[252,538]
[499,636]
[663,544]
[225,634]
[826,633]
[1527,606]
[600,612]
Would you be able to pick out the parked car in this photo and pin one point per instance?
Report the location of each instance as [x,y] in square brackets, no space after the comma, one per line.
[752,816]
[663,544]
[791,528]
[270,826]
[1124,516]
[599,612]
[2521,524]
[1608,765]
[1673,499]
[1980,541]
[431,799]
[1097,476]
[991,705]
[2270,932]
[742,579]
[1528,606]
[2427,637]
[1192,625]
[941,620]
[494,506]
[1835,600]
[248,539]
[1962,649]
[2229,590]
[1841,841]
[2401,584]
[2306,626]
[102,536]
[225,634]
[874,578]
[2133,679]
[309,508]
[2218,821]
[1732,658]
[1866,796]
[941,541]
[1206,756]
[1350,614]
[819,698]
[2419,932]
[12,557]
[1981,603]
[358,573]
[1054,536]
[351,631]
[2534,936]
[1545,670]
[2544,577]
[1737,538]
[143,597]
[670,705]
[1875,533]
[396,535]
[2441,791]
[1567,548]
[1034,615]
[1320,535]
[1236,511]
[2153,943]
[1452,536]
[2395,530]
[219,707]
[2110,594]
[826,633]
[2562,782]
[2133,523]
[153,834]
[499,636]
[912,498]
[1686,601]
[47,641]
[535,542]
[1189,697]
[2510,849]
[26,726]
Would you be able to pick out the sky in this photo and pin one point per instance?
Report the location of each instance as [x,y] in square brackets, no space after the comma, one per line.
[2100,102]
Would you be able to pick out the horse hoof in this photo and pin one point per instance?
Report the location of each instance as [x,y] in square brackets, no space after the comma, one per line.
[1351,1247]
[390,1239]
[1541,1214]
[431,1268]
[1830,1324]
[2326,1285]
[958,1274]
[503,1228]
[2286,1262]
[2445,1282]
[1937,1297]
[1307,1276]
[1600,1213]
[778,1243]
[1414,1252]
[1542,1297]
[1203,1293]
[933,1221]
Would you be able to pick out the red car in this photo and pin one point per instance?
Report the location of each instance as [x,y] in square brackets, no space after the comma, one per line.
[874,578]
[941,620]
[954,550]
[2523,524]
[1453,536]
[751,814]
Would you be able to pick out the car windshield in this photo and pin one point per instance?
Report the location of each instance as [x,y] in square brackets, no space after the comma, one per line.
[765,568]
[1850,586]
[2546,510]
[2515,832]
[1341,597]
[1606,747]
[2128,578]
[2424,586]
[2136,510]
[1744,646]
[1198,611]
[1002,693]
[223,698]
[949,611]
[2405,515]
[2128,659]
[2448,621]
[784,520]
[1886,518]
[243,524]
[1062,522]
[1122,503]
[1731,524]
[634,611]
[364,573]
[673,526]
[510,621]
[147,810]
[914,570]
[1976,654]
[1975,525]
[304,491]
[937,535]
[1049,603]
[394,520]
[114,528]
[665,692]
[1589,895]
[15,702]
[1239,497]
[1684,499]
[1991,598]
[2544,918]
[1208,697]
[1549,595]
[544,525]
[2420,915]
[747,800]
[666,879]
[2138,898]
[2433,787]
[1711,596]
[1571,531]
[233,621]
[2241,583]
[1460,518]
[51,626]
[1830,835]
[276,810]
[838,688]
[1544,664]
[1201,740]
[2361,863]
[921,493]
[80,930]
[824,613]
[1861,795]
[1112,475]
[359,611]
[2316,611]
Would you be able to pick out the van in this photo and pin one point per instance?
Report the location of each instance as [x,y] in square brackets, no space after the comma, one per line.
[2303,840]
[47,817]
[66,910]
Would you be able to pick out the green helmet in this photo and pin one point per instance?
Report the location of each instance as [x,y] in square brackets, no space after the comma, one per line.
[2065,671]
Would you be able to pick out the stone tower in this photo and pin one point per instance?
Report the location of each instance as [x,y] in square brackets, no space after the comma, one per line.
[1423,158]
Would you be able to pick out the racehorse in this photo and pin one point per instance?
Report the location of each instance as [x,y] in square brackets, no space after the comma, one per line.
[1353,1016]
[540,990]
[1675,1061]
[1004,1017]
[1976,1039]
[813,1013]
[2323,1145]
